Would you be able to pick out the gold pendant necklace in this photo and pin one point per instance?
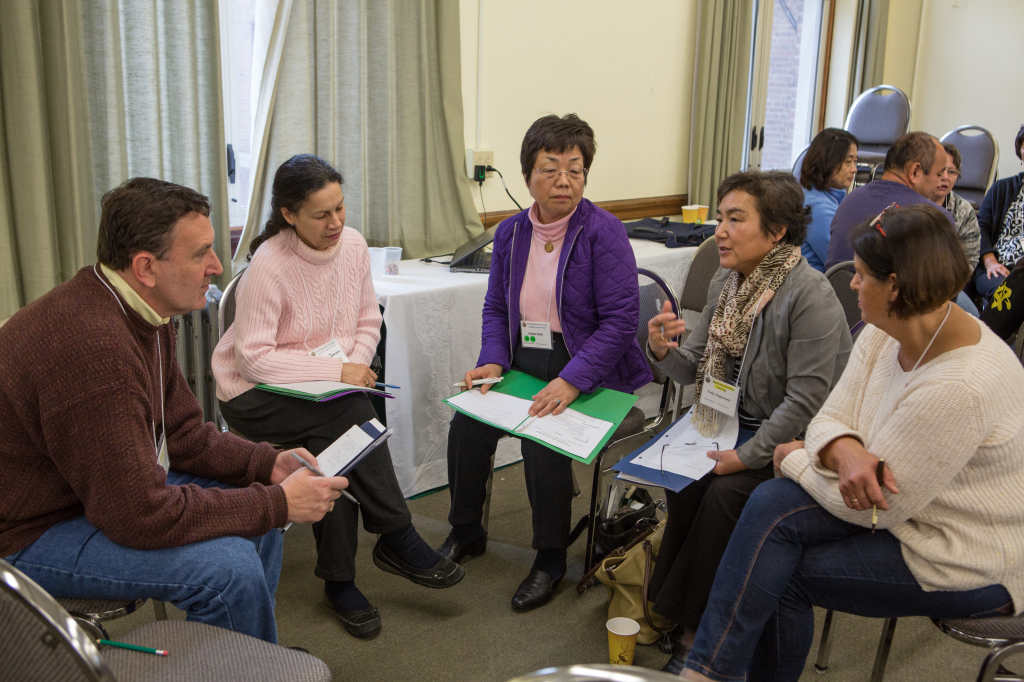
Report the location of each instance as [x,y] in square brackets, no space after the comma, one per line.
[549,247]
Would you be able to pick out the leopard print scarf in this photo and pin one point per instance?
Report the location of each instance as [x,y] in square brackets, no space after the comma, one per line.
[741,301]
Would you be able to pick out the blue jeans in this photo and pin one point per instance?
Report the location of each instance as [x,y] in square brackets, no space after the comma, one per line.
[228,582]
[788,554]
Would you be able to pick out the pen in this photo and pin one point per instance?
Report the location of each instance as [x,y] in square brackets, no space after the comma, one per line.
[478,382]
[380,385]
[318,473]
[879,470]
[143,649]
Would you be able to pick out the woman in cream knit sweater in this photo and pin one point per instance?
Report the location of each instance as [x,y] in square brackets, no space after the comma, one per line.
[306,311]
[938,397]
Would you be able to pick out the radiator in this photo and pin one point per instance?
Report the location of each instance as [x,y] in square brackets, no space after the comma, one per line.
[197,335]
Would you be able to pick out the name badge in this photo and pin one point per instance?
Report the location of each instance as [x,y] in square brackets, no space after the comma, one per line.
[331,349]
[162,458]
[535,335]
[720,395]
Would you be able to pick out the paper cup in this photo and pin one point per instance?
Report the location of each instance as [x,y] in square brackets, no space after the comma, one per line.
[392,257]
[695,214]
[622,634]
[376,261]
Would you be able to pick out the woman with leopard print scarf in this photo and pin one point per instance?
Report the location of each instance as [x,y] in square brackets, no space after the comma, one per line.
[772,326]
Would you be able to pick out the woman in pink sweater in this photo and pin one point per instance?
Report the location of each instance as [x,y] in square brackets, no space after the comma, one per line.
[306,311]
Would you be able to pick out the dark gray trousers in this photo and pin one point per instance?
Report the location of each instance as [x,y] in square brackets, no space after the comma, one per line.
[283,420]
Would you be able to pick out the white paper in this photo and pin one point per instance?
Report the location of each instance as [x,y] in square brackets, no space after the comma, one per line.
[572,431]
[499,409]
[682,450]
[342,451]
[321,387]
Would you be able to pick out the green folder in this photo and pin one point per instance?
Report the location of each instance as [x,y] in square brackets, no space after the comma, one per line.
[603,403]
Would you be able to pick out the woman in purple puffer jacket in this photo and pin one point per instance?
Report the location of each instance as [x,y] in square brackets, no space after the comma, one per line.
[562,305]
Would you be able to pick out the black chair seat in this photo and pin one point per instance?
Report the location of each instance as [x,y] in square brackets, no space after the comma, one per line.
[998,628]
[631,425]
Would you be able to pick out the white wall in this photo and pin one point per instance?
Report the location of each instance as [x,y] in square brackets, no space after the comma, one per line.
[625,68]
[903,27]
[968,71]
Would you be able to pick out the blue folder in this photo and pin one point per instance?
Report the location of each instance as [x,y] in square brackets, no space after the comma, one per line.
[664,479]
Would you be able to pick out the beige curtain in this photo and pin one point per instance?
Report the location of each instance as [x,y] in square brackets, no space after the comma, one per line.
[91,93]
[48,206]
[721,77]
[375,88]
[867,63]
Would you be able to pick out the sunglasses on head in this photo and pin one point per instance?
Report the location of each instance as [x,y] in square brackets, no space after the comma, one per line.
[877,222]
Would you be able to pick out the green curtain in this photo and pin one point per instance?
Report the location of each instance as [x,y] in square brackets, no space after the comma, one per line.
[93,92]
[867,64]
[721,78]
[376,89]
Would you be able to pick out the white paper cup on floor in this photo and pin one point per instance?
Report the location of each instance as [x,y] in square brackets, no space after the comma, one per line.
[377,258]
[622,634]
[392,257]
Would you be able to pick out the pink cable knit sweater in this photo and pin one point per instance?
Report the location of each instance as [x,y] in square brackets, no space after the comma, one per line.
[285,305]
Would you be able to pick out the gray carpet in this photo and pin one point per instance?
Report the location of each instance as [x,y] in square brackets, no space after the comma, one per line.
[469,632]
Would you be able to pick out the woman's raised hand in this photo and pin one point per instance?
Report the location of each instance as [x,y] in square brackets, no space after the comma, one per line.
[357,375]
[488,371]
[659,341]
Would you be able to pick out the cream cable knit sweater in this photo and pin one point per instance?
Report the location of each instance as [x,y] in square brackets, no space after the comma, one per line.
[953,438]
[276,325]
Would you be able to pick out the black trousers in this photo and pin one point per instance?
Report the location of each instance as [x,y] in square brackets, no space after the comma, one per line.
[283,420]
[548,473]
[701,518]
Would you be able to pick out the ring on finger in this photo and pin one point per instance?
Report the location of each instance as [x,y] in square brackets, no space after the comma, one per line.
[331,508]
[557,401]
[853,500]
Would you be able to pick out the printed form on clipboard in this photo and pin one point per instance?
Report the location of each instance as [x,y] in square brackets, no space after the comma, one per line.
[679,456]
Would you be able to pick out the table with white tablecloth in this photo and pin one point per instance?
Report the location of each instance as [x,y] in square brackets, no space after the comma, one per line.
[433,318]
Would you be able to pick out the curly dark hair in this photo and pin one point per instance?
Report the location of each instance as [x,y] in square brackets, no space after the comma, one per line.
[778,199]
[824,157]
[294,181]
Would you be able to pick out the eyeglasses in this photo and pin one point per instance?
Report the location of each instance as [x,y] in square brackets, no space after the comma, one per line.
[877,222]
[574,174]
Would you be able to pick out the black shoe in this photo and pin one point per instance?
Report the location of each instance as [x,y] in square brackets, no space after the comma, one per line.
[364,623]
[536,590]
[453,551]
[299,648]
[676,664]
[444,573]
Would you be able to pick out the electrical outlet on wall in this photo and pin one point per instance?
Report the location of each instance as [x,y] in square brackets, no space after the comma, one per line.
[479,157]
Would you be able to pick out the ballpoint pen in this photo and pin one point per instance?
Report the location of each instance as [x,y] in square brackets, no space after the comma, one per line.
[479,382]
[879,471]
[380,385]
[319,473]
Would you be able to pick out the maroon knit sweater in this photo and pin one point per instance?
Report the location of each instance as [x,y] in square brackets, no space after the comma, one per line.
[79,391]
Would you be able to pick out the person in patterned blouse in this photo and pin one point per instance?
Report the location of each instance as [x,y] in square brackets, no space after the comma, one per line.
[1001,219]
[964,218]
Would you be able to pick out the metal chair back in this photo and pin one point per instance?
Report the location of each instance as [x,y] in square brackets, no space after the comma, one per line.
[227,304]
[596,673]
[799,163]
[654,291]
[39,639]
[1018,345]
[980,158]
[698,278]
[877,118]
[839,276]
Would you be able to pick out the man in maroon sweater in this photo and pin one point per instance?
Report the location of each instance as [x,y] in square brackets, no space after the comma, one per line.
[114,487]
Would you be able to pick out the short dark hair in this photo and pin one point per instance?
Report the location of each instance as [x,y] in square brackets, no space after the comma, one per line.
[916,147]
[140,215]
[954,152]
[824,157]
[921,247]
[557,135]
[779,201]
[294,181]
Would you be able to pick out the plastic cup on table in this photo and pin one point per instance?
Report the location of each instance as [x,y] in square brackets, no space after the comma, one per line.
[392,257]
[622,634]
[695,214]
[377,257]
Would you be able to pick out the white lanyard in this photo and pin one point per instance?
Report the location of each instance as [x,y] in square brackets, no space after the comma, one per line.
[309,304]
[949,307]
[160,366]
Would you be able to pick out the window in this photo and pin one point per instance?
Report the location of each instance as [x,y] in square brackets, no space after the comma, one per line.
[237,26]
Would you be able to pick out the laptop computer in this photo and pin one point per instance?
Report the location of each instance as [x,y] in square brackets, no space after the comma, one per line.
[474,255]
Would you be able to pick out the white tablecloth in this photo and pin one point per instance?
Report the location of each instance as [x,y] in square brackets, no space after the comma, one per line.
[433,320]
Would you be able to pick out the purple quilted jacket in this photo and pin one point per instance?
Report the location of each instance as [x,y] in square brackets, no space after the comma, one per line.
[597,293]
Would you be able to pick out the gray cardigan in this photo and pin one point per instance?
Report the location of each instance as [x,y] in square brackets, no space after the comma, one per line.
[798,348]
